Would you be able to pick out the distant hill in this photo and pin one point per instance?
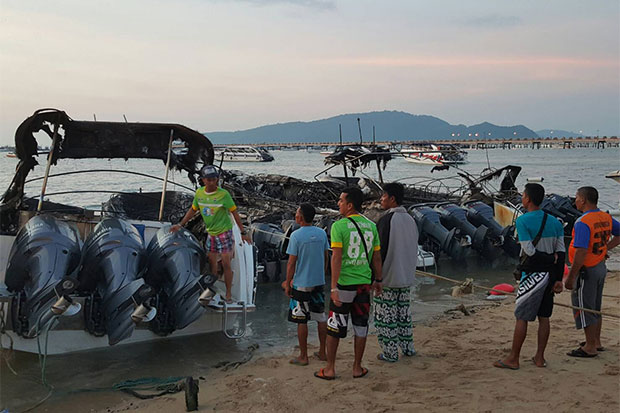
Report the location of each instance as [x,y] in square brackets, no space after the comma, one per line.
[389,125]
[552,133]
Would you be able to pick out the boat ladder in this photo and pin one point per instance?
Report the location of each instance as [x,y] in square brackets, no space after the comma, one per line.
[240,333]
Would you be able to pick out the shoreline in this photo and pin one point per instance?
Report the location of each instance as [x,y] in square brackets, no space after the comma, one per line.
[452,372]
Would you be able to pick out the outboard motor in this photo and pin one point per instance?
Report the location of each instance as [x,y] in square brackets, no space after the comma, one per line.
[564,205]
[112,261]
[429,225]
[271,243]
[269,239]
[175,262]
[41,270]
[453,216]
[479,213]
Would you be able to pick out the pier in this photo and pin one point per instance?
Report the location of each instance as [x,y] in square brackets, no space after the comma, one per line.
[489,143]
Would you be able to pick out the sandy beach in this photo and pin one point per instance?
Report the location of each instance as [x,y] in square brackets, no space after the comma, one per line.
[452,372]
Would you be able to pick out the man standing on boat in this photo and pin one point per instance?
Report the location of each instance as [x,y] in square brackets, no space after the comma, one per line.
[398,234]
[308,253]
[587,253]
[355,248]
[216,205]
[540,271]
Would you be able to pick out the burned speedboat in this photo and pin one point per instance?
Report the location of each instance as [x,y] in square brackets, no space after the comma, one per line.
[110,278]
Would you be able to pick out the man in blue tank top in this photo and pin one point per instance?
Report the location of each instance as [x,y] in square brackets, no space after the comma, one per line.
[305,278]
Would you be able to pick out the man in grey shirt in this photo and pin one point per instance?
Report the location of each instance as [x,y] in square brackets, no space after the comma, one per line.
[399,252]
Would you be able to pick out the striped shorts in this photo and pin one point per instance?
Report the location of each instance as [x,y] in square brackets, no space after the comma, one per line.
[221,243]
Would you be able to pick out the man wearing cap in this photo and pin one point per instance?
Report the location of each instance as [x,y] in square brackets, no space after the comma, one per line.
[215,204]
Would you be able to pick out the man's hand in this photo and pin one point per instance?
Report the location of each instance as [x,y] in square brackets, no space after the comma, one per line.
[287,290]
[377,287]
[247,238]
[557,287]
[175,228]
[335,298]
[568,284]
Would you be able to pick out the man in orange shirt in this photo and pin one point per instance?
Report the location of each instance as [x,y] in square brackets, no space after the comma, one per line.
[587,253]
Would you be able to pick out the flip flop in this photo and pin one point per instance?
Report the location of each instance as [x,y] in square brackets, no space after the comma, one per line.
[583,343]
[534,361]
[382,357]
[321,375]
[501,365]
[580,353]
[364,372]
[297,362]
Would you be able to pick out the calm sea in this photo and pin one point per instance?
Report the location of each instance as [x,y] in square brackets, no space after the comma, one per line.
[563,172]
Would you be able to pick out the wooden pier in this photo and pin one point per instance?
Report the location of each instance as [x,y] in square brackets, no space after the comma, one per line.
[507,143]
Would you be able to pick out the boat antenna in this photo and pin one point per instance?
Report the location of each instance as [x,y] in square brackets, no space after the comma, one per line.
[125,117]
[340,129]
[373,134]
[95,117]
[359,127]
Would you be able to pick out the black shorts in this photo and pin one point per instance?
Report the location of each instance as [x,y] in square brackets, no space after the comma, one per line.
[354,300]
[546,304]
[307,305]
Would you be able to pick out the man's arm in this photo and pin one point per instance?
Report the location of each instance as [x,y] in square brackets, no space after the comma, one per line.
[188,215]
[326,261]
[336,265]
[580,256]
[290,273]
[613,242]
[377,267]
[244,235]
[615,232]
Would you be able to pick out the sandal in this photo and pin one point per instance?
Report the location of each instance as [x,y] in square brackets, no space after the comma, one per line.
[364,372]
[321,375]
[580,353]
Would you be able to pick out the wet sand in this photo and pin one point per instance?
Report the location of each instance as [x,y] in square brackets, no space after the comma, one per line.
[452,372]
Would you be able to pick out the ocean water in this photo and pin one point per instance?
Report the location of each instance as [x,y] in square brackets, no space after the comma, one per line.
[563,172]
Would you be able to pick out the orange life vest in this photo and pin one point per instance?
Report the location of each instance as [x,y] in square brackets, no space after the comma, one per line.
[599,223]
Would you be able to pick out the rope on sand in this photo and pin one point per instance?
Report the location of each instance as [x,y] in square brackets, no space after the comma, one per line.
[439,277]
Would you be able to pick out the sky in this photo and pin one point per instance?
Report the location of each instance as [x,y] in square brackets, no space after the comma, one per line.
[219,65]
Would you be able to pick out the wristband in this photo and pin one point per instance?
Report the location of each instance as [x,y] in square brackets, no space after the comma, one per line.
[379,281]
[334,290]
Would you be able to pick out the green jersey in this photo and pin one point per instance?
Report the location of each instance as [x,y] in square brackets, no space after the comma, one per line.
[355,267]
[214,208]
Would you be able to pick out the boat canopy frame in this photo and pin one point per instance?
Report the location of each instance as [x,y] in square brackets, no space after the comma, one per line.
[73,139]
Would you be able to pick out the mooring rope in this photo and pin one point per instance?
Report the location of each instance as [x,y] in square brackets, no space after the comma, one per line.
[482,287]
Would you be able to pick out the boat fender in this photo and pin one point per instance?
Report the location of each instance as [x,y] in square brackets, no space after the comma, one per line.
[502,287]
[536,179]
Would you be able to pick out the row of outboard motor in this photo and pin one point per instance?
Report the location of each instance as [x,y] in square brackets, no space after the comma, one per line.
[453,229]
[120,282]
[443,227]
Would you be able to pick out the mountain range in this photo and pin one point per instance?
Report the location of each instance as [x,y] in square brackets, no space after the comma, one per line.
[389,126]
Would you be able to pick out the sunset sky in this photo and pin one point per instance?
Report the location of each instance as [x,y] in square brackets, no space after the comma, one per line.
[235,64]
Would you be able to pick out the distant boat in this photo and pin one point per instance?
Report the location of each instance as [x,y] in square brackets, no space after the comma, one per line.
[242,154]
[615,175]
[11,155]
[431,154]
